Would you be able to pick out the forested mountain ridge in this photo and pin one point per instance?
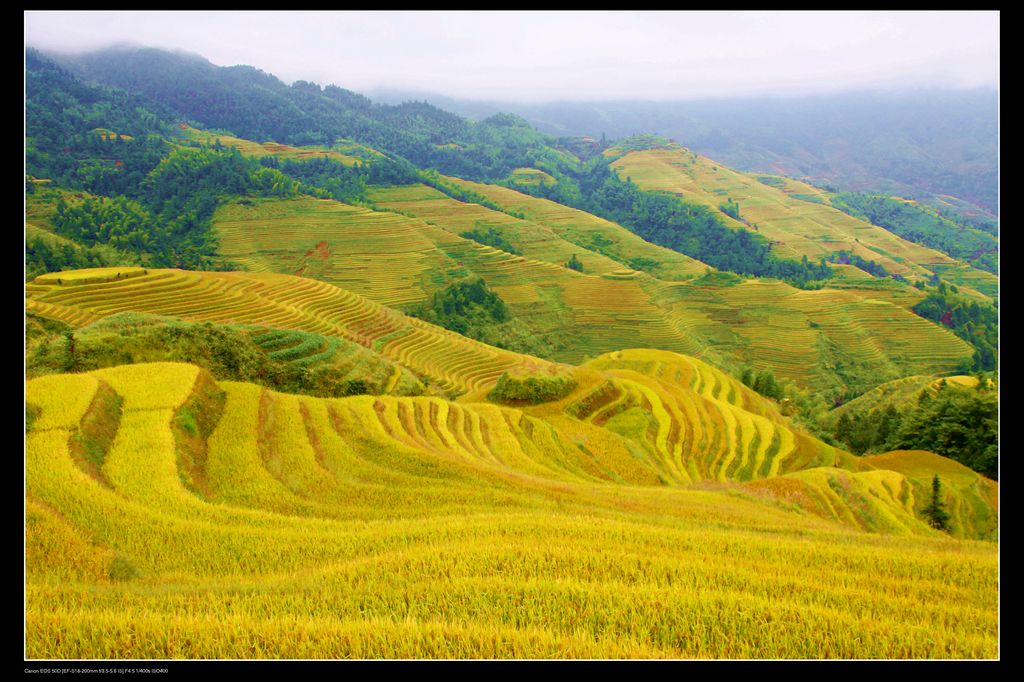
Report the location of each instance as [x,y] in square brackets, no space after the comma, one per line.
[254,105]
[926,144]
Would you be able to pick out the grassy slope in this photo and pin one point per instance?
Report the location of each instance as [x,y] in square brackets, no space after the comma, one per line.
[414,527]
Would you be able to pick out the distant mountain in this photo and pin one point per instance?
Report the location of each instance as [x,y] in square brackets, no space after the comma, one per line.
[254,105]
[918,143]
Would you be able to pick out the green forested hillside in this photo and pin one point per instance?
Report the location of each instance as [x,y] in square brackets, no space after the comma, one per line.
[924,226]
[257,106]
[190,199]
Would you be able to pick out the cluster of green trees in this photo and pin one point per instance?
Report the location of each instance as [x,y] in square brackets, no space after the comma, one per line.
[574,264]
[323,177]
[975,322]
[771,181]
[44,255]
[871,267]
[487,234]
[467,307]
[167,220]
[954,421]
[473,309]
[923,226]
[730,208]
[328,178]
[764,382]
[119,222]
[874,431]
[531,389]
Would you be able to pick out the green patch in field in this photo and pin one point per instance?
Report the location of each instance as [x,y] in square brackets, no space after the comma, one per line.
[771,181]
[187,421]
[31,412]
[718,278]
[121,569]
[643,263]
[531,388]
[633,423]
[91,443]
[812,198]
[599,243]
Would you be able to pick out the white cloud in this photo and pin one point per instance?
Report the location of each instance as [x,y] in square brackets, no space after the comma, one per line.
[565,55]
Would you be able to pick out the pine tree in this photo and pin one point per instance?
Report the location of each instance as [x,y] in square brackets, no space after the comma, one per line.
[70,354]
[936,512]
[844,428]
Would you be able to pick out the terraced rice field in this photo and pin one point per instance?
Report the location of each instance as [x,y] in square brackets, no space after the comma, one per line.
[281,526]
[591,232]
[533,240]
[385,256]
[817,338]
[825,338]
[259,149]
[982,285]
[289,303]
[717,429]
[766,324]
[531,176]
[796,227]
[388,257]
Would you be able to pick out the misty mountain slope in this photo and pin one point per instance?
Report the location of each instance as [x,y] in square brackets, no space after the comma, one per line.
[920,144]
[257,106]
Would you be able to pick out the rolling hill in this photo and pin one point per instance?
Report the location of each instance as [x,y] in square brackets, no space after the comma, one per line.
[797,218]
[170,515]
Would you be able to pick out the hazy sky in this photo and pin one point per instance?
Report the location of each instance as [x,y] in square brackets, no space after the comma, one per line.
[582,55]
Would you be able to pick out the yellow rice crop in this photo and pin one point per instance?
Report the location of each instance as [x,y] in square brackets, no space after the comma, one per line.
[383,527]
